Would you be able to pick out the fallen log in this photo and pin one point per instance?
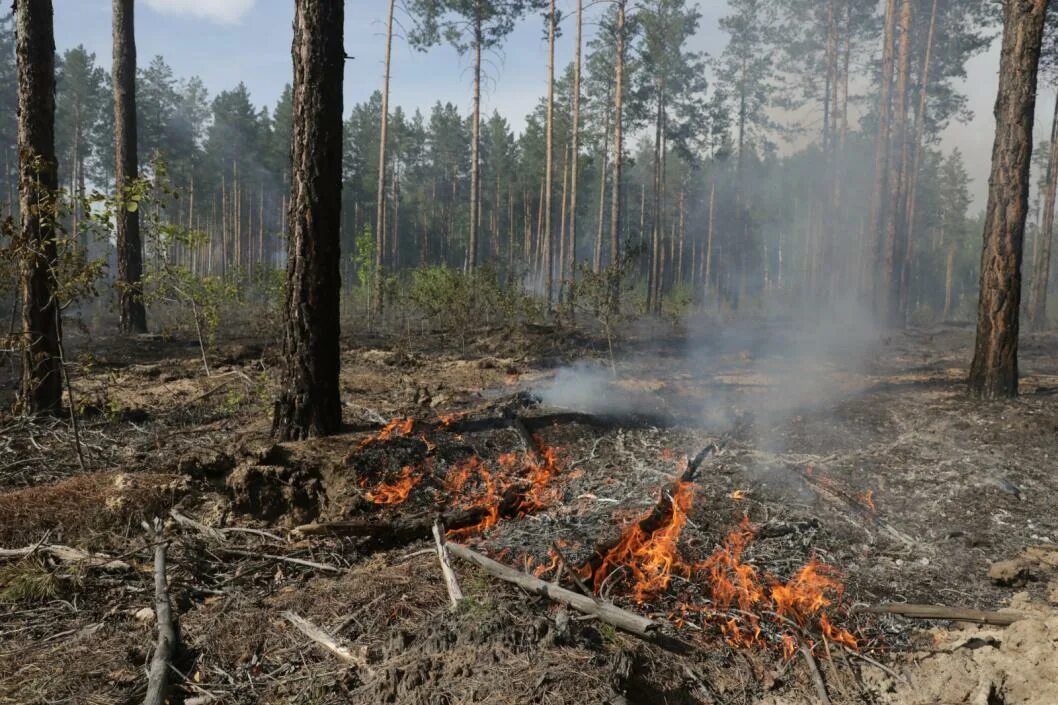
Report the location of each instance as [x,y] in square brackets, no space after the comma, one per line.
[603,611]
[157,675]
[953,614]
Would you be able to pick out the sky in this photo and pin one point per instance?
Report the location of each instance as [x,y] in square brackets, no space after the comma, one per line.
[227,41]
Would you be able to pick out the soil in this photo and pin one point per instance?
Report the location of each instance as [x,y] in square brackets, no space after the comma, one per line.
[864,453]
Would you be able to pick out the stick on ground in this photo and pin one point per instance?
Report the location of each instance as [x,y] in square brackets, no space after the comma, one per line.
[954,614]
[604,611]
[157,678]
[817,677]
[327,641]
[451,582]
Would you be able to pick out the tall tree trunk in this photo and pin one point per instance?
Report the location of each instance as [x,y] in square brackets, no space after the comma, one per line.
[994,372]
[380,205]
[309,403]
[895,232]
[549,149]
[707,275]
[1042,265]
[562,221]
[916,156]
[40,387]
[475,147]
[618,145]
[133,315]
[575,150]
[875,283]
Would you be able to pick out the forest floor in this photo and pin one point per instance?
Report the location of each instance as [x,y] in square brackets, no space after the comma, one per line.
[860,456]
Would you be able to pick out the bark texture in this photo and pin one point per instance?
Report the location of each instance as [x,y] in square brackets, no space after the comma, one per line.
[994,372]
[309,404]
[133,316]
[1042,266]
[41,381]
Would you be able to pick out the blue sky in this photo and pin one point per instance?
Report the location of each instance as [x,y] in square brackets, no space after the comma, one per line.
[227,41]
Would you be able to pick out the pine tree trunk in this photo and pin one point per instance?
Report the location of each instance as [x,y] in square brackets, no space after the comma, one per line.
[133,316]
[879,208]
[949,276]
[575,150]
[549,155]
[707,275]
[994,372]
[475,149]
[309,404]
[1042,265]
[618,145]
[40,388]
[380,206]
[895,233]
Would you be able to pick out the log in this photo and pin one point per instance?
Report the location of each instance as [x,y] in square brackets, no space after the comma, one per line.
[327,641]
[953,614]
[603,611]
[158,674]
[451,583]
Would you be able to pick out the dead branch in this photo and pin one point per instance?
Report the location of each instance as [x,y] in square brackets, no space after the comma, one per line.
[68,554]
[531,446]
[207,531]
[454,593]
[604,611]
[285,559]
[817,677]
[954,614]
[157,679]
[327,641]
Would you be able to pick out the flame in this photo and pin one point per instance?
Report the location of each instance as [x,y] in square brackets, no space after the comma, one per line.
[652,556]
[867,499]
[396,427]
[523,481]
[738,495]
[396,492]
[447,420]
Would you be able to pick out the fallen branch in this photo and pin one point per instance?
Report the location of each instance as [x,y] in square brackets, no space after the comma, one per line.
[817,677]
[327,641]
[603,611]
[67,554]
[454,593]
[954,614]
[157,678]
[285,559]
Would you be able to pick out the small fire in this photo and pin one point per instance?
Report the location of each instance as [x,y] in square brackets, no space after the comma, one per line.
[396,492]
[396,427]
[738,495]
[650,554]
[867,500]
[446,420]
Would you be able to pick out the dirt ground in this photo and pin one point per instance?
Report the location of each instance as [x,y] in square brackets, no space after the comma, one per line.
[859,452]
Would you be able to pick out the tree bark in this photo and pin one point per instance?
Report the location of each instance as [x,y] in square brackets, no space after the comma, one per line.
[879,210]
[575,151]
[1042,264]
[895,233]
[133,316]
[994,372]
[475,148]
[618,145]
[309,403]
[549,157]
[380,206]
[41,381]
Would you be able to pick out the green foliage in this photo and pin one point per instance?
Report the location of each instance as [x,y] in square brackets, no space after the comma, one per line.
[28,582]
[364,257]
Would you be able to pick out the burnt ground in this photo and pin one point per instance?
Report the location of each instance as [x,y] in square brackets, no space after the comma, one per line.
[864,453]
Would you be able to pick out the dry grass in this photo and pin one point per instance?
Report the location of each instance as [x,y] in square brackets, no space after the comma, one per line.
[77,509]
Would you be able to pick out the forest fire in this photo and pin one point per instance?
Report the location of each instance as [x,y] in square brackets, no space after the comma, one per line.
[396,427]
[396,492]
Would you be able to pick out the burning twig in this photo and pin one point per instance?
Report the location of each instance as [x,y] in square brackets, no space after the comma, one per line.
[954,614]
[454,593]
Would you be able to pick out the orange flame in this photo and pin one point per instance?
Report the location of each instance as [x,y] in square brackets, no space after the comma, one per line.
[738,495]
[396,492]
[651,557]
[396,427]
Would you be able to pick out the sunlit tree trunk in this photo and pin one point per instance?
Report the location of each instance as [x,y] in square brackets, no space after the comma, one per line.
[575,149]
[875,282]
[1042,265]
[994,372]
[133,315]
[309,403]
[549,149]
[475,147]
[618,144]
[40,387]
[895,232]
[380,196]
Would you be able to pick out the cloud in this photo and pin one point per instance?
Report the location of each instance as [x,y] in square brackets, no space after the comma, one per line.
[223,11]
